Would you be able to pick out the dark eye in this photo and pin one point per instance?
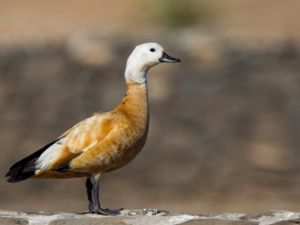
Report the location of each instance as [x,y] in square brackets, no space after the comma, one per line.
[152,49]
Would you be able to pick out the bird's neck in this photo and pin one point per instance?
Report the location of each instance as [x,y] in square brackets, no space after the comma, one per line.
[136,72]
[135,102]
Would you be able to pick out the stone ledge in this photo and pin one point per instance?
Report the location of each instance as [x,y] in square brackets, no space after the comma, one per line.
[147,217]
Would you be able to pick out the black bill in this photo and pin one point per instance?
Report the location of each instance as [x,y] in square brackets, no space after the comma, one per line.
[169,59]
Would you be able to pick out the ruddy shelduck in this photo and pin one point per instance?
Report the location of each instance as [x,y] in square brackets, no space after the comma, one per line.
[103,142]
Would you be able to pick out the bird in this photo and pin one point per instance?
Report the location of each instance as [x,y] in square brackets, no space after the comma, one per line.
[103,142]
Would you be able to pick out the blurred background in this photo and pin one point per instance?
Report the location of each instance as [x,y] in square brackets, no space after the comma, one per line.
[225,123]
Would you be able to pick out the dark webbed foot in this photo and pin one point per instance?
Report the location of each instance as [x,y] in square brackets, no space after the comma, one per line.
[92,186]
[107,212]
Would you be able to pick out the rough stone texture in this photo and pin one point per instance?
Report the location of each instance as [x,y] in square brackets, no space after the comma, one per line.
[12,221]
[142,217]
[218,222]
[288,222]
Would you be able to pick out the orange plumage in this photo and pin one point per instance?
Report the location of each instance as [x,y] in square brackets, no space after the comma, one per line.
[104,141]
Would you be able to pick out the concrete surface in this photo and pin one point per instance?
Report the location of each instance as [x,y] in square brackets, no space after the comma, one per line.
[147,217]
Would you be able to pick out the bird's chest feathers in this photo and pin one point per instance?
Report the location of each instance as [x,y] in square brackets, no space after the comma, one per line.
[134,107]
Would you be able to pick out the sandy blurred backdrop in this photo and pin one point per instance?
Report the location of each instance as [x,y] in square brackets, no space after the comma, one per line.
[225,123]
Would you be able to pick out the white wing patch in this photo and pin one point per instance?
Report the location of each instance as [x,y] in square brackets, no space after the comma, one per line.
[48,155]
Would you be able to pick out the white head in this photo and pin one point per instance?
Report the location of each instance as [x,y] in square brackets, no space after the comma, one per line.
[142,58]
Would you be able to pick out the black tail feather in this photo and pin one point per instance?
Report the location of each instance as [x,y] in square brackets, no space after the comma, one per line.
[25,168]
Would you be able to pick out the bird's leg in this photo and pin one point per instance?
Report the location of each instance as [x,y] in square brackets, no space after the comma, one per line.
[93,185]
[89,187]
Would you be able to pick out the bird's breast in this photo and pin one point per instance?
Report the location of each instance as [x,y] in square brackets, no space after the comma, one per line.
[125,147]
[134,107]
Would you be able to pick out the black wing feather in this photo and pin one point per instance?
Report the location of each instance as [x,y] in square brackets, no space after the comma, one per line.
[25,168]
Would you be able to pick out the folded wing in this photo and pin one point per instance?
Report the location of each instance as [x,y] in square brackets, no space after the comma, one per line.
[57,154]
